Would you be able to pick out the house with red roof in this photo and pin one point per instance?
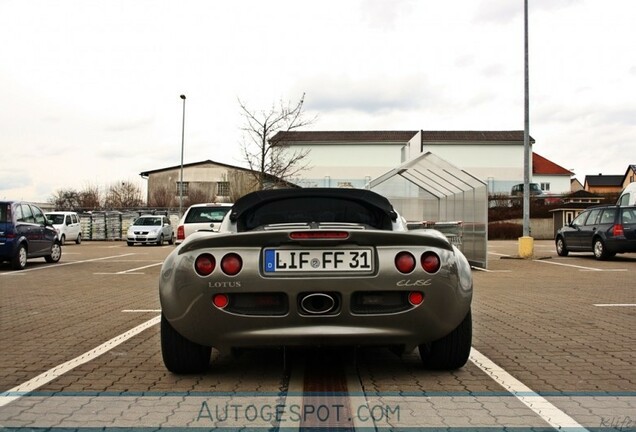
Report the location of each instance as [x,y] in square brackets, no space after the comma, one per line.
[551,177]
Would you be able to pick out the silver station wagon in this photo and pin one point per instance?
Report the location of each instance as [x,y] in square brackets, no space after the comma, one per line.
[315,267]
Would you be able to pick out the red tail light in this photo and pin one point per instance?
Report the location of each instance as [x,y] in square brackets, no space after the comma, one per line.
[204,264]
[405,262]
[311,235]
[430,262]
[231,264]
[220,300]
[617,230]
[416,298]
[180,233]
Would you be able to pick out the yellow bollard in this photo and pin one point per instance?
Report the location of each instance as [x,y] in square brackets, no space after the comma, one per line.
[526,247]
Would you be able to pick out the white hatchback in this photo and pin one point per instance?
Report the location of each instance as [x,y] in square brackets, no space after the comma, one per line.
[201,217]
[67,225]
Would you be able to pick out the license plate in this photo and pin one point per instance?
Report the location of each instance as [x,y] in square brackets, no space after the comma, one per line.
[318,260]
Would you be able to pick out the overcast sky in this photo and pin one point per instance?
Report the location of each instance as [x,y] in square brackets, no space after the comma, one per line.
[89,90]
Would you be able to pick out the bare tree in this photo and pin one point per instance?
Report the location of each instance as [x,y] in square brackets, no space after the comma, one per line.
[198,196]
[65,199]
[241,183]
[90,198]
[265,153]
[162,197]
[123,194]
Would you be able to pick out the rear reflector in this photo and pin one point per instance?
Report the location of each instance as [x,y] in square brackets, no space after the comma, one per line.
[220,300]
[314,235]
[416,298]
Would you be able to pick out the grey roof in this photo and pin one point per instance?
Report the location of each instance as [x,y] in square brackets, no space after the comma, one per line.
[346,136]
[604,180]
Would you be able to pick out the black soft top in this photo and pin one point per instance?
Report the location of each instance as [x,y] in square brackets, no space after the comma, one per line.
[378,207]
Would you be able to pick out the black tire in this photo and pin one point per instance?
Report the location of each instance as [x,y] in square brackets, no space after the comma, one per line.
[78,240]
[600,253]
[180,355]
[451,351]
[171,241]
[63,239]
[130,243]
[56,253]
[561,248]
[19,260]
[160,240]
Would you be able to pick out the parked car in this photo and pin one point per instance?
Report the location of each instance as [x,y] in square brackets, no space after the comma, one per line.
[602,230]
[628,196]
[535,190]
[201,217]
[315,266]
[67,225]
[26,233]
[150,229]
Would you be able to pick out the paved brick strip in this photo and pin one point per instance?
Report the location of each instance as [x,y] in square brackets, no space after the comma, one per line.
[53,373]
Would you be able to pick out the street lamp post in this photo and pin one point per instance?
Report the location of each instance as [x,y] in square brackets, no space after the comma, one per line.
[181,174]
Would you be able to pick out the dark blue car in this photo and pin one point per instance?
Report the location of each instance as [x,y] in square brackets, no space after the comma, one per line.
[26,233]
[602,230]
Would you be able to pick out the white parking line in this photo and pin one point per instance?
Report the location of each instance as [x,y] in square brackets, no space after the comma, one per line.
[64,264]
[130,271]
[544,409]
[491,271]
[616,305]
[142,310]
[582,268]
[53,373]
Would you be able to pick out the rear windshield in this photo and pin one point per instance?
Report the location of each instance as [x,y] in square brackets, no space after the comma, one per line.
[206,214]
[314,209]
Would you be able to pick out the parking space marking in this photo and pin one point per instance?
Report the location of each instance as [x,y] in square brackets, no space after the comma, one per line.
[58,265]
[616,305]
[491,271]
[59,370]
[542,407]
[582,268]
[142,310]
[133,271]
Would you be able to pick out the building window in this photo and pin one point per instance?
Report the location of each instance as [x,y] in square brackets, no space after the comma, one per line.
[184,186]
[545,187]
[223,188]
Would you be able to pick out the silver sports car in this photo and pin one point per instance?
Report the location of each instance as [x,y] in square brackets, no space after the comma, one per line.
[315,266]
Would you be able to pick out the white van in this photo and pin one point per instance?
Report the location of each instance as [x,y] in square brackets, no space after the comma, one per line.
[67,225]
[628,196]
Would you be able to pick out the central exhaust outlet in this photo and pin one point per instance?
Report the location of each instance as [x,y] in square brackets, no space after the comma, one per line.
[318,304]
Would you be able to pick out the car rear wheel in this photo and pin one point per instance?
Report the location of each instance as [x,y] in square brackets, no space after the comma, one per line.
[78,240]
[171,241]
[160,240]
[561,248]
[180,355]
[63,239]
[600,253]
[56,253]
[451,351]
[19,260]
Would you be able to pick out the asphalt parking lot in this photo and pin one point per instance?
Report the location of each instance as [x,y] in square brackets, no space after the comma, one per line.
[553,347]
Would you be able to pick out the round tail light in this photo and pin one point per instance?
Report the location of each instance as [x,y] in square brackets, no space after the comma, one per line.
[430,262]
[231,264]
[416,298]
[405,262]
[220,300]
[204,264]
